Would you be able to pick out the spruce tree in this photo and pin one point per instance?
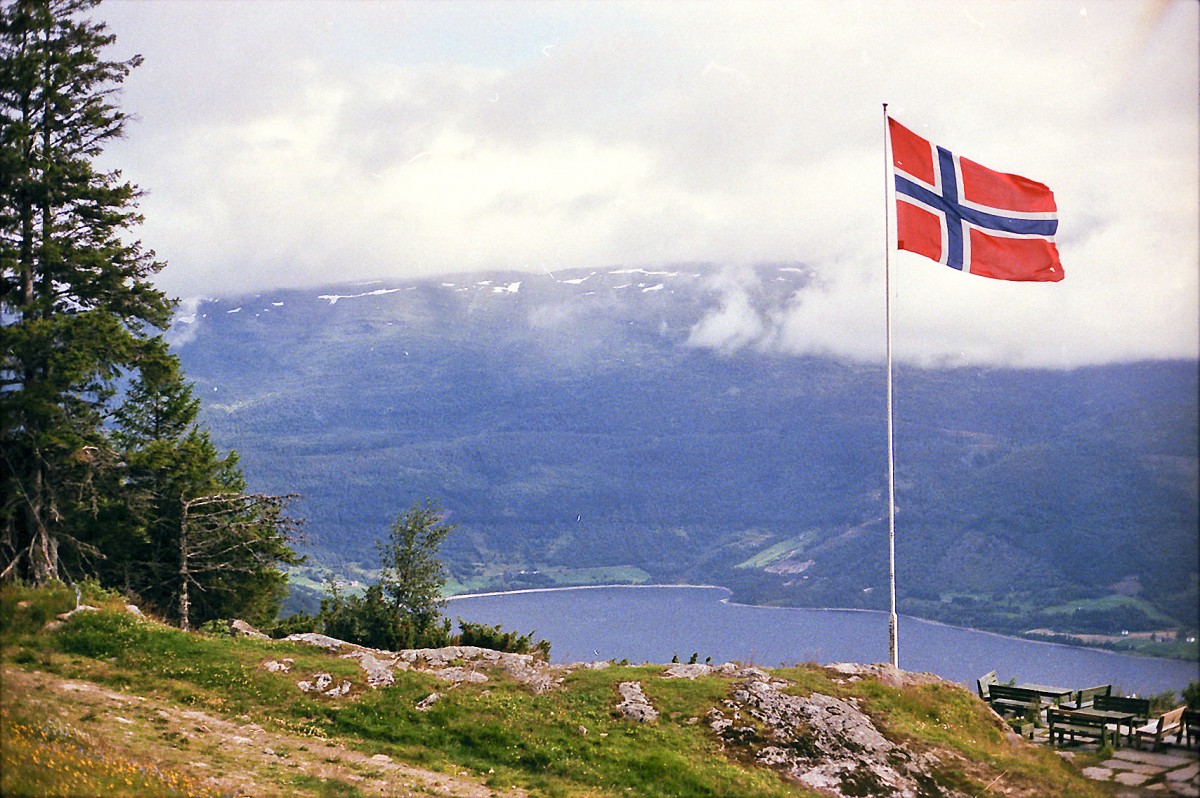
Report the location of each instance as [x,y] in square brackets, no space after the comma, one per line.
[76,301]
[103,467]
[182,533]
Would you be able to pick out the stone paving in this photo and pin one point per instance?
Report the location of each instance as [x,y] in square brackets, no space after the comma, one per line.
[1173,770]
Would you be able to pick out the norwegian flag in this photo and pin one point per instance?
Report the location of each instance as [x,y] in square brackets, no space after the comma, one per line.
[954,211]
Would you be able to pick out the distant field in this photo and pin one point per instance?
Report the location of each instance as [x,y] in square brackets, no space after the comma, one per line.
[1111,602]
[777,552]
[550,577]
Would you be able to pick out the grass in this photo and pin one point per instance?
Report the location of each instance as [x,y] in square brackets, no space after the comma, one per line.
[778,551]
[38,757]
[1111,602]
[567,742]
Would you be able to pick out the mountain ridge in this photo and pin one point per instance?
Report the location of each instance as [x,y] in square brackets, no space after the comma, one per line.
[570,421]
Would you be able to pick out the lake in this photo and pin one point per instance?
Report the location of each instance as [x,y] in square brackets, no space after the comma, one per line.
[655,623]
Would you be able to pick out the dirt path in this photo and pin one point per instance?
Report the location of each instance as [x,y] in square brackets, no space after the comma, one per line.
[234,755]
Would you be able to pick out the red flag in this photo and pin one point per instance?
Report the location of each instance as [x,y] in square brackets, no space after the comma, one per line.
[954,211]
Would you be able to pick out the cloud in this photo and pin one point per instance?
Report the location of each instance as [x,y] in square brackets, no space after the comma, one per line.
[310,143]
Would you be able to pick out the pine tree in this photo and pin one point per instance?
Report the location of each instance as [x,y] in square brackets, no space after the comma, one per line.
[77,307]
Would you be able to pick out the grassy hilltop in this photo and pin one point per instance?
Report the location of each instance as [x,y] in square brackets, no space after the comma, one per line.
[111,703]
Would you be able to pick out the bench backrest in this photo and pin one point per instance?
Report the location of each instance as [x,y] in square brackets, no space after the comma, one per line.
[1088,694]
[1140,707]
[1191,718]
[1171,719]
[984,682]
[1014,693]
[1056,716]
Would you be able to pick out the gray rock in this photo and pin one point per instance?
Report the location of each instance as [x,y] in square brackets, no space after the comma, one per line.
[378,672]
[66,616]
[321,641]
[246,630]
[318,683]
[339,691]
[634,704]
[823,742]
[425,703]
[458,675]
[690,671]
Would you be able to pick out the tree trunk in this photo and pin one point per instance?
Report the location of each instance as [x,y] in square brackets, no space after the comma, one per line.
[43,545]
[184,601]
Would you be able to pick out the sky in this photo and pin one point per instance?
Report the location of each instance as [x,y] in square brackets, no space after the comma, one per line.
[302,144]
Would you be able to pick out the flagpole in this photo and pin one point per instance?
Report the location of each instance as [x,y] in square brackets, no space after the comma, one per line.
[893,622]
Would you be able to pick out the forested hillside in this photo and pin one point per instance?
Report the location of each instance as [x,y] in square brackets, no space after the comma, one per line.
[575,433]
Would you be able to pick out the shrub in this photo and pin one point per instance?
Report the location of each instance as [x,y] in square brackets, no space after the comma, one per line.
[1191,695]
[217,628]
[295,624]
[371,620]
[496,639]
[1163,702]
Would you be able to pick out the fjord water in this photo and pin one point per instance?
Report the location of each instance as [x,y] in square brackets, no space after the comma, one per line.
[653,624]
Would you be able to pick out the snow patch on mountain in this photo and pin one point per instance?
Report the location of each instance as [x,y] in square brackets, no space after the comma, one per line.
[333,298]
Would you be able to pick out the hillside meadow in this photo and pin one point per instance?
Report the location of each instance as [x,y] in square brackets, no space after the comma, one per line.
[108,702]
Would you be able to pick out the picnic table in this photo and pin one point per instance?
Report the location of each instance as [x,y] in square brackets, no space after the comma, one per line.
[1055,694]
[1117,717]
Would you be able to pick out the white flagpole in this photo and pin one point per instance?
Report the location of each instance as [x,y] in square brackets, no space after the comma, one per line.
[893,623]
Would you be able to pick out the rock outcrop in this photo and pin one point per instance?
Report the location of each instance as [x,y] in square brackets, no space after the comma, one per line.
[454,664]
[821,741]
[634,704]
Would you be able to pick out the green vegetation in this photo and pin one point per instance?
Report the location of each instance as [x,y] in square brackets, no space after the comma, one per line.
[43,758]
[402,609]
[495,638]
[784,548]
[500,578]
[566,742]
[104,470]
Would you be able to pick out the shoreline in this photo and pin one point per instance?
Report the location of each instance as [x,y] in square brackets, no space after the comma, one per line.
[525,590]
[726,600]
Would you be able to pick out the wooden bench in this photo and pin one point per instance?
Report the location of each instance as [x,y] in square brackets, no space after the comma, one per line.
[1191,725]
[1016,700]
[1138,707]
[1065,722]
[984,682]
[1160,727]
[1085,697]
